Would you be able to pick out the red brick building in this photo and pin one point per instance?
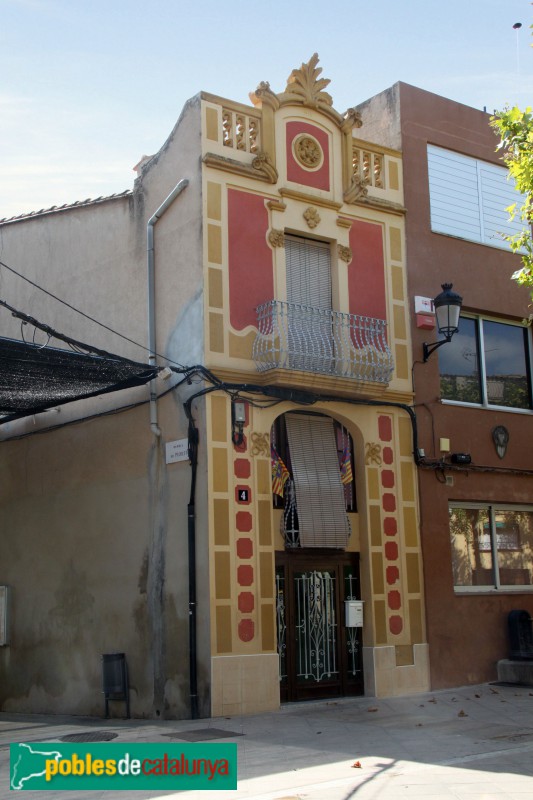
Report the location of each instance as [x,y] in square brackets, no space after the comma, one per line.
[473,396]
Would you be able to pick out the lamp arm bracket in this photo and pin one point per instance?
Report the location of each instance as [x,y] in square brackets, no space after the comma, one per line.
[432,346]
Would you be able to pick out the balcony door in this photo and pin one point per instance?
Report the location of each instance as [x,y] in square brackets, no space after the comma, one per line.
[309,332]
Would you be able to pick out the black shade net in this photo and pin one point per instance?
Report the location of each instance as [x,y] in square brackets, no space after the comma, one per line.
[34,378]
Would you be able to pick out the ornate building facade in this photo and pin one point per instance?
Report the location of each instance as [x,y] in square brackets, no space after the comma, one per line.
[282,559]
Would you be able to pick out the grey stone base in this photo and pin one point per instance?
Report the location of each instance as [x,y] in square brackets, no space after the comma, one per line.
[520,672]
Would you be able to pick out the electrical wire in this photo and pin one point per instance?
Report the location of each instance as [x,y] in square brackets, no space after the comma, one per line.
[87,348]
[87,316]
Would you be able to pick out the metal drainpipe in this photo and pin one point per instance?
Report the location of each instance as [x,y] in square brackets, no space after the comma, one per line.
[151,295]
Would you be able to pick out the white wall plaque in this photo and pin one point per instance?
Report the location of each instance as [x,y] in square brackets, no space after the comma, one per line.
[177,451]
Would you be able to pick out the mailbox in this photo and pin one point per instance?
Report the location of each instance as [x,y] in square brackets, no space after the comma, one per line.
[353,613]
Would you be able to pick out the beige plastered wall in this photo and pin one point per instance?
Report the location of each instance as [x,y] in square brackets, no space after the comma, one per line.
[93,519]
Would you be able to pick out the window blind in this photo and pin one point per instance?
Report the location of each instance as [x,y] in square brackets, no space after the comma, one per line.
[320,501]
[309,334]
[308,272]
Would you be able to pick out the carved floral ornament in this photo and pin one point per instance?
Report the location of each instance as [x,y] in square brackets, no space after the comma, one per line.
[312,217]
[308,151]
[345,253]
[276,238]
[373,454]
[306,85]
[260,444]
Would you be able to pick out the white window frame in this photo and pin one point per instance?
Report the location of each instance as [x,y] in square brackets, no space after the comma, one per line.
[469,198]
[492,509]
[480,318]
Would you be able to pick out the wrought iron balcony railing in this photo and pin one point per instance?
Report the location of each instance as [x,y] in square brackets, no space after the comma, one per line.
[299,337]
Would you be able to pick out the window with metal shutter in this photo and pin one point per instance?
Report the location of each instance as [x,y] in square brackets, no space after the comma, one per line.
[317,482]
[308,272]
[469,198]
[309,333]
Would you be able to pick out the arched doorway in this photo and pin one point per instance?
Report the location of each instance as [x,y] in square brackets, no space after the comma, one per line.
[316,573]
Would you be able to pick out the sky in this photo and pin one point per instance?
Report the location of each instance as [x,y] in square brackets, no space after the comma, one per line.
[87,87]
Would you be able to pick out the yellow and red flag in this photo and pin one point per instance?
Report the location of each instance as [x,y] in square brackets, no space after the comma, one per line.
[280,473]
[346,466]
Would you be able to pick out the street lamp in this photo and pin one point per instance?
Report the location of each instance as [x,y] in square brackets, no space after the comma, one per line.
[447,309]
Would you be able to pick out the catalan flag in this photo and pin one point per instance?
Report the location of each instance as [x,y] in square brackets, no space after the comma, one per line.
[346,466]
[280,473]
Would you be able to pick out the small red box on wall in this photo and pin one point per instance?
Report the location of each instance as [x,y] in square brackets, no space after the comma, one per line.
[425,321]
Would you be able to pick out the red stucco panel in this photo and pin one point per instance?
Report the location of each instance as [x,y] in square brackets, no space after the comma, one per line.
[251,279]
[319,178]
[366,273]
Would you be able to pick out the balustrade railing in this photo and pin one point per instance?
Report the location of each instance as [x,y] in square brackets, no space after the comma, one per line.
[299,337]
[241,131]
[368,167]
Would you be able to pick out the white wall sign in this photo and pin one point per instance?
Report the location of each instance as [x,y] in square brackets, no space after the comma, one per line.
[177,451]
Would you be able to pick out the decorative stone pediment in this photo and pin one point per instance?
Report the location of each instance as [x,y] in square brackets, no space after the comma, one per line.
[305,88]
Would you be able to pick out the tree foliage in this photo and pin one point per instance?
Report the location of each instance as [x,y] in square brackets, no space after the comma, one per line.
[515,128]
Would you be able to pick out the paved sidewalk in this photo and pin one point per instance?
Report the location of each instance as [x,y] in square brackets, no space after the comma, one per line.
[471,743]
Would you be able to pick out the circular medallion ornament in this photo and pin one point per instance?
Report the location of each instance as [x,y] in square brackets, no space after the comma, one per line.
[308,151]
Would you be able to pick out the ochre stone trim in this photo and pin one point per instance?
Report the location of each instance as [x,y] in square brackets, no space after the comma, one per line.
[357,194]
[330,384]
[211,124]
[309,198]
[260,169]
[276,205]
[342,222]
[241,346]
[376,148]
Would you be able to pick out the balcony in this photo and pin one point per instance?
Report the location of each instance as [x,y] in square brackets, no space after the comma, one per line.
[297,337]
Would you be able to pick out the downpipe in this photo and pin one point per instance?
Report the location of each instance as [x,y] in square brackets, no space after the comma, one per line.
[150,251]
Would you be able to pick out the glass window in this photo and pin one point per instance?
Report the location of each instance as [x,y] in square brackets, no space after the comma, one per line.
[471,559]
[486,363]
[459,365]
[492,546]
[506,372]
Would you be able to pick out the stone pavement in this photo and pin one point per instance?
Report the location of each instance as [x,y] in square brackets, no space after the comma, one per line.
[470,743]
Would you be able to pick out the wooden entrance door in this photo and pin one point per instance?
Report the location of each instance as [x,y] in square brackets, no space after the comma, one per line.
[319,655]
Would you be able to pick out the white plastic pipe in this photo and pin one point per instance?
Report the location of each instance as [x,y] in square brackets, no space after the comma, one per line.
[177,190]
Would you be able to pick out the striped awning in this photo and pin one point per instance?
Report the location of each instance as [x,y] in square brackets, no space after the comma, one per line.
[322,518]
